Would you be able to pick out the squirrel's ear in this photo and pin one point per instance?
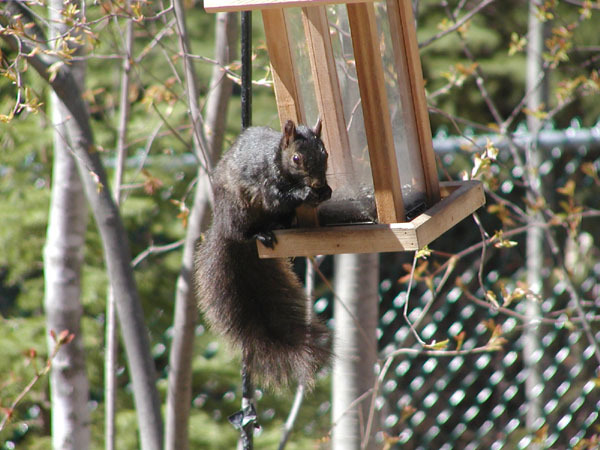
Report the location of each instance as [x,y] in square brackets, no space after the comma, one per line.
[289,132]
[318,126]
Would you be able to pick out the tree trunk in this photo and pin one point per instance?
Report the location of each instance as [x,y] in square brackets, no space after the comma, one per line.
[115,243]
[355,348]
[63,257]
[180,360]
[532,346]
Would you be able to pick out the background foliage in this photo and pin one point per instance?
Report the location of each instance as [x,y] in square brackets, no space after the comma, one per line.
[153,207]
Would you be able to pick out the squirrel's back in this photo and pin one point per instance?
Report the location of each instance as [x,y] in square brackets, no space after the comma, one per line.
[260,304]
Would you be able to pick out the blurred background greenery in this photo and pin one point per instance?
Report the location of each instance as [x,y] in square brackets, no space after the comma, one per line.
[151,218]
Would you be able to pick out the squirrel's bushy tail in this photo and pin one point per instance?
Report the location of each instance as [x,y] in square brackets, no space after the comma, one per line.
[260,305]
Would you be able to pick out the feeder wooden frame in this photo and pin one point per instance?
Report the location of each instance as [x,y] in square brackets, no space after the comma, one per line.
[452,202]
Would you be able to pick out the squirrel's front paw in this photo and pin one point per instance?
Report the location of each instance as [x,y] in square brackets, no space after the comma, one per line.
[324,193]
[267,238]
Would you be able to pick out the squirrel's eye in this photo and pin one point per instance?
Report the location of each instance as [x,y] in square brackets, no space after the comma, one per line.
[297,159]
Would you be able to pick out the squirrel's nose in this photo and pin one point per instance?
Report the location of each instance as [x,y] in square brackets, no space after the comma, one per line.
[317,183]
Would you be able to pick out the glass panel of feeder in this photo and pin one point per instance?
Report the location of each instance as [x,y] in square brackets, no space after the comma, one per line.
[402,115]
[335,210]
[353,201]
[299,50]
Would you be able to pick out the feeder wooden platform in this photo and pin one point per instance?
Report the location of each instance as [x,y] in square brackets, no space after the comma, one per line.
[459,199]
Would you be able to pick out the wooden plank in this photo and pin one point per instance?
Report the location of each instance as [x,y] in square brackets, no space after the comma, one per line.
[327,90]
[378,126]
[463,199]
[403,31]
[246,5]
[447,188]
[285,74]
[411,155]
[466,197]
[375,238]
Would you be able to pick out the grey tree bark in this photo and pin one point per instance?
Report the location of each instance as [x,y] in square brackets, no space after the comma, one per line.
[111,345]
[180,372]
[355,348]
[114,238]
[532,347]
[63,257]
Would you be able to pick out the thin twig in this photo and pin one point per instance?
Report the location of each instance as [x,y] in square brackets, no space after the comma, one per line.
[405,309]
[374,393]
[424,352]
[200,145]
[291,420]
[466,122]
[153,249]
[484,238]
[361,398]
[457,24]
[63,338]
[509,312]
[587,329]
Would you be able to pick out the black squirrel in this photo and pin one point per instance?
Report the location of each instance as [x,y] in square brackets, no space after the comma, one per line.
[260,304]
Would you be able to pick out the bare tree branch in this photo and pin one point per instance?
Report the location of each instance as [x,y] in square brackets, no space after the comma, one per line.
[464,19]
[179,391]
[111,333]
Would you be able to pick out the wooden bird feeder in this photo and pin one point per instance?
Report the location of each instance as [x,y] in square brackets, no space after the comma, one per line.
[356,65]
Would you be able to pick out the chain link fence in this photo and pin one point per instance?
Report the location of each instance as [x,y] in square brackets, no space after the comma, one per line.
[483,400]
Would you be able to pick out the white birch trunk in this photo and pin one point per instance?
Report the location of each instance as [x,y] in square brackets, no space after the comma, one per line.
[63,257]
[355,348]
